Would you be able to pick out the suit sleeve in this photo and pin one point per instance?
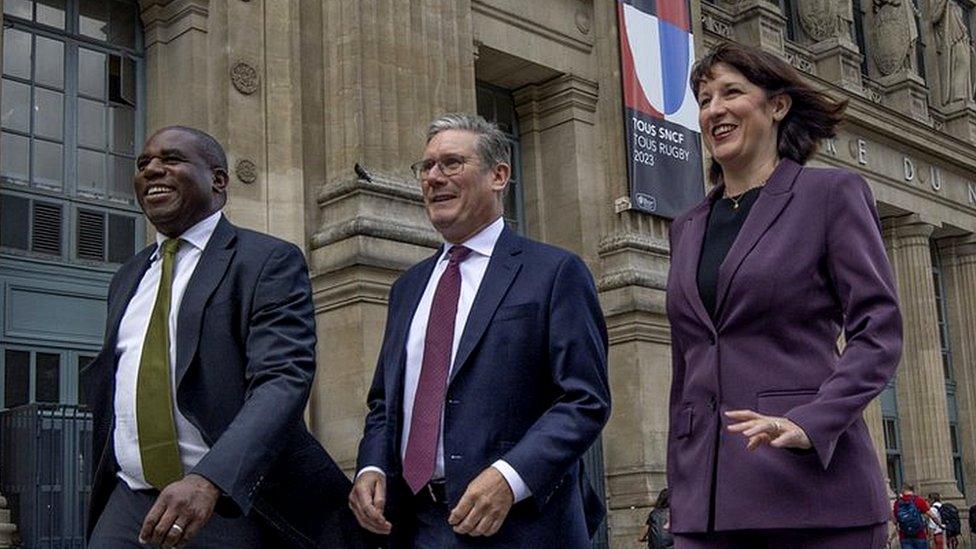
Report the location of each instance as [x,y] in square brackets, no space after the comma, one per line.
[280,351]
[863,283]
[578,366]
[373,446]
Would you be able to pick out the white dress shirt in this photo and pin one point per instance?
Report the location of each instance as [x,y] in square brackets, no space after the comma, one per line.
[132,334]
[473,270]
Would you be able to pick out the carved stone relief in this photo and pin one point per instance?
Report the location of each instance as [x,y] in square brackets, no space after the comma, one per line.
[244,78]
[955,52]
[894,21]
[824,19]
[246,171]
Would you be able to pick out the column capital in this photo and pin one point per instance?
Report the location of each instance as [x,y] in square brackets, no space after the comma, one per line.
[565,97]
[906,226]
[164,20]
[959,246]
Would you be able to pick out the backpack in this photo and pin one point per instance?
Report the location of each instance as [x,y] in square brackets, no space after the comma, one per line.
[659,537]
[909,517]
[950,519]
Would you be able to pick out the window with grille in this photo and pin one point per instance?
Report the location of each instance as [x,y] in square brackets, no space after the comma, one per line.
[30,376]
[71,121]
[41,375]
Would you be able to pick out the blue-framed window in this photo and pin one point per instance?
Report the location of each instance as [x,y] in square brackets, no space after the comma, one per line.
[72,117]
[31,374]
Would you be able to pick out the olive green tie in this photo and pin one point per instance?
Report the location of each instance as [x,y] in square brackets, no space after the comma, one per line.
[154,400]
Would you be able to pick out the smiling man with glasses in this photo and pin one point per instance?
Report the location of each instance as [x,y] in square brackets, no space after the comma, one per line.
[492,381]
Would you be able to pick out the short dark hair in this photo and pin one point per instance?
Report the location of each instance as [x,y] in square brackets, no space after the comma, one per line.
[906,487]
[813,115]
[935,496]
[663,499]
[210,148]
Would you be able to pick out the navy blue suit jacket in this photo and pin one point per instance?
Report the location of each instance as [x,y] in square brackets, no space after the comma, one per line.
[245,361]
[529,385]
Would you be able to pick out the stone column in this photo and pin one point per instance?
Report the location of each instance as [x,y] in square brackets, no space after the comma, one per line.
[374,73]
[558,162]
[959,276]
[922,404]
[634,261]
[232,69]
[633,266]
[760,23]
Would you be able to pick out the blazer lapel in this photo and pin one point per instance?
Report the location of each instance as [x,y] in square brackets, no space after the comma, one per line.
[208,274]
[502,268]
[694,234]
[772,199]
[130,276]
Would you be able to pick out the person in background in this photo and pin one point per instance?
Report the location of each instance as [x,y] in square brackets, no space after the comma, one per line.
[909,510]
[937,530]
[656,530]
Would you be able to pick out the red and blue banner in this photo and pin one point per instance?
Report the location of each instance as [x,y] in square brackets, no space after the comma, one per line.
[664,159]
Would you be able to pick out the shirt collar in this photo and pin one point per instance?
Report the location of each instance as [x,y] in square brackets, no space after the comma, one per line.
[197,236]
[483,242]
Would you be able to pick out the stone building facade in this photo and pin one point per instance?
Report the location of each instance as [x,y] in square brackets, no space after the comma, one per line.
[301,92]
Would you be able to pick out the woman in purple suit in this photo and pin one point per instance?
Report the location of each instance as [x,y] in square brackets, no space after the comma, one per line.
[767,446]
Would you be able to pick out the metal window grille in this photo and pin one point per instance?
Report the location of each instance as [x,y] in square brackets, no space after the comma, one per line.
[45,472]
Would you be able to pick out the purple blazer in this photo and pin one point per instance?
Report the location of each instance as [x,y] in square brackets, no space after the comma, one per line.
[808,265]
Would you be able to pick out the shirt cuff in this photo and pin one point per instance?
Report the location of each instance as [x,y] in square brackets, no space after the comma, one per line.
[369,468]
[520,490]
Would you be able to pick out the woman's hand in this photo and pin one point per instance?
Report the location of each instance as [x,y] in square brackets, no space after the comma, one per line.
[778,432]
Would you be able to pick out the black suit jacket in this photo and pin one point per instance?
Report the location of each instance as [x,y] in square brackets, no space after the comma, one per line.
[245,361]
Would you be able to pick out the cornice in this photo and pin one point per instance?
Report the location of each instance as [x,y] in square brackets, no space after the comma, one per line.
[488,9]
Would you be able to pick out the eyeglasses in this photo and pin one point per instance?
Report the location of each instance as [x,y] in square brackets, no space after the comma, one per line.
[448,165]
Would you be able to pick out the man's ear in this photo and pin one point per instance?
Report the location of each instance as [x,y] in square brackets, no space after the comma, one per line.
[220,180]
[500,175]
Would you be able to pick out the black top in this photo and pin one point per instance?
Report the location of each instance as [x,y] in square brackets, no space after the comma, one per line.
[724,223]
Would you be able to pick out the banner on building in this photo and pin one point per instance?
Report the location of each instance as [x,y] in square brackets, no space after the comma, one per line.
[657,51]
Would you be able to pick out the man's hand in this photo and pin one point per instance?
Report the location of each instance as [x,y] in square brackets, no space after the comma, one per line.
[484,505]
[181,509]
[778,432]
[367,499]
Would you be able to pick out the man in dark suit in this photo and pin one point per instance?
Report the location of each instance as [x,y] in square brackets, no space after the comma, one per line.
[492,377]
[199,391]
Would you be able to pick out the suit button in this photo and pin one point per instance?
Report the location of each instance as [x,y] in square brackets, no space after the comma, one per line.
[712,403]
[453,401]
[455,457]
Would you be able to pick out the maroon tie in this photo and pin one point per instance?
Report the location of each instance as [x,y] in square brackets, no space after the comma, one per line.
[428,402]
